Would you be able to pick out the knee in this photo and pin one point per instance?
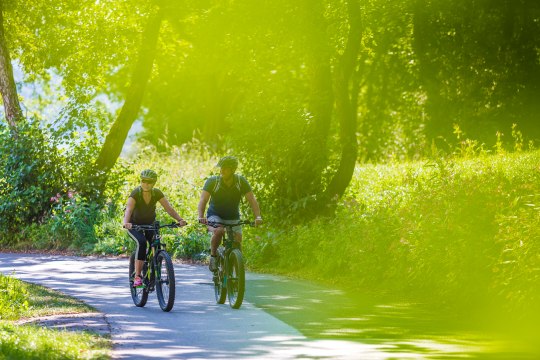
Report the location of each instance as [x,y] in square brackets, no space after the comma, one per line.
[219,232]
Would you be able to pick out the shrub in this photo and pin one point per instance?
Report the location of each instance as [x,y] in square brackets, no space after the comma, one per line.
[192,245]
[30,174]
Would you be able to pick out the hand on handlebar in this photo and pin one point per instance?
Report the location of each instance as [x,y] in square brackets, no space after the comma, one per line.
[127,226]
[182,223]
[203,220]
[258,221]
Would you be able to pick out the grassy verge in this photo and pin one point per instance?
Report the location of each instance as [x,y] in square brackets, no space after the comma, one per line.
[22,300]
[459,235]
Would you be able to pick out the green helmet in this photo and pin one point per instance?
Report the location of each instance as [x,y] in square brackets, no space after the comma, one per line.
[228,162]
[149,175]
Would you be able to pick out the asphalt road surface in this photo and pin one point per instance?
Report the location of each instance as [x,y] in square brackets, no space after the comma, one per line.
[196,328]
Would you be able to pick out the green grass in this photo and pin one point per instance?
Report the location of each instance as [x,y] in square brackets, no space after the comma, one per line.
[455,235]
[22,300]
[33,342]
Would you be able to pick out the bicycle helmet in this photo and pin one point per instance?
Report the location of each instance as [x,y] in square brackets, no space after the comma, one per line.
[149,175]
[228,162]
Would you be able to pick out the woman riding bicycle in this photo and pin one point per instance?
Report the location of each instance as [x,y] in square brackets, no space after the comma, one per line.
[224,193]
[141,210]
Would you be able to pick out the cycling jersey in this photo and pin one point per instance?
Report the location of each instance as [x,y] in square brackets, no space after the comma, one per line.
[225,200]
[143,213]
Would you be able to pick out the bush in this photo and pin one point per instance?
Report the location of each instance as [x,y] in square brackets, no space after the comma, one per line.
[192,245]
[30,174]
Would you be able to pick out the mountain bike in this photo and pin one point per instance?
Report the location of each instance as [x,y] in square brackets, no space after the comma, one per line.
[157,272]
[230,277]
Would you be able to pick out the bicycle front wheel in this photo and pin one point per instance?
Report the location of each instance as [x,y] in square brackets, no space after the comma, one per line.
[138,294]
[236,282]
[165,282]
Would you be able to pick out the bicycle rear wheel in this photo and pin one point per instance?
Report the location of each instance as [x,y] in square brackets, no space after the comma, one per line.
[236,282]
[138,294]
[219,288]
[165,282]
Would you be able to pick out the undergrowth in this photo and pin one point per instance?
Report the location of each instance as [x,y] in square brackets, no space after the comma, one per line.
[457,233]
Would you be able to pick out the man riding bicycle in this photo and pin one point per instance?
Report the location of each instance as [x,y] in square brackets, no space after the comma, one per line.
[224,192]
[141,210]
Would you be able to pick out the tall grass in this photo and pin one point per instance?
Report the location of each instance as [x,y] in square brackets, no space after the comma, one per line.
[462,233]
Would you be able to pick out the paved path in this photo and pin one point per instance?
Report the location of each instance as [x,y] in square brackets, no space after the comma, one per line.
[196,328]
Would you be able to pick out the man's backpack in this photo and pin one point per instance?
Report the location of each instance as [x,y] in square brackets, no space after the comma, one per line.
[236,182]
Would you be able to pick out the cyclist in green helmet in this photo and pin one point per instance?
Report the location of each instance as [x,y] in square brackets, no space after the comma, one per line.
[141,210]
[224,193]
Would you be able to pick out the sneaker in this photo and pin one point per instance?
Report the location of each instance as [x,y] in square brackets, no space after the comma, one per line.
[213,263]
[137,282]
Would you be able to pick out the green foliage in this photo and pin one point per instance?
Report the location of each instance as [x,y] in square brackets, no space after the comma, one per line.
[458,233]
[30,174]
[110,237]
[13,298]
[193,244]
[72,218]
[49,195]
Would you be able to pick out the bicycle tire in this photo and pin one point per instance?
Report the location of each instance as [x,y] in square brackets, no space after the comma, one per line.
[165,281]
[219,289]
[236,282]
[139,294]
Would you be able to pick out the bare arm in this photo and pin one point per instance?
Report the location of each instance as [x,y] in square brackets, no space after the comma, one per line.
[129,210]
[250,197]
[169,209]
[205,196]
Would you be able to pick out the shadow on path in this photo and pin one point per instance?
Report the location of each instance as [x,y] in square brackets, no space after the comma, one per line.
[405,329]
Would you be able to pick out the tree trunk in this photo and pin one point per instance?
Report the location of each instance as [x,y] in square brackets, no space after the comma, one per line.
[346,106]
[8,89]
[116,138]
[309,157]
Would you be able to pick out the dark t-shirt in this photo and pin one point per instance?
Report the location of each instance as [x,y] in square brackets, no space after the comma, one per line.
[225,200]
[143,213]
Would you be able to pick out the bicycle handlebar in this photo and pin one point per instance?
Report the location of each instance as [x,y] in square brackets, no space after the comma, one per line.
[241,222]
[155,227]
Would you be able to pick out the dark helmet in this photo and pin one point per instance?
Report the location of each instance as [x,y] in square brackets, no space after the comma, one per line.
[228,162]
[149,175]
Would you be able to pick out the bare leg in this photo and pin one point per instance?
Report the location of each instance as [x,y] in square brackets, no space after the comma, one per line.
[138,267]
[238,238]
[217,235]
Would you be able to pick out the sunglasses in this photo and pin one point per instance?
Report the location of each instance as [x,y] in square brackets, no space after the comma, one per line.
[148,182]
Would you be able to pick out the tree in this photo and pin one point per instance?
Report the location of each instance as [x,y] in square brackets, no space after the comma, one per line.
[110,151]
[13,110]
[478,63]
[346,90]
